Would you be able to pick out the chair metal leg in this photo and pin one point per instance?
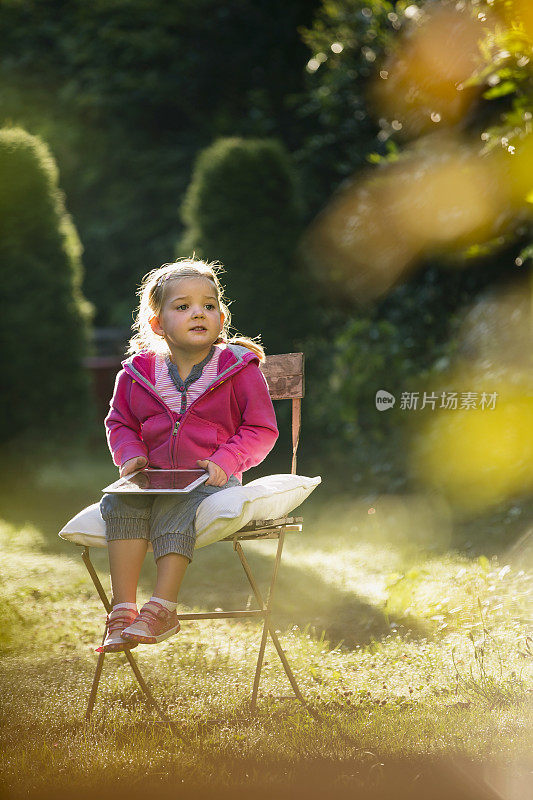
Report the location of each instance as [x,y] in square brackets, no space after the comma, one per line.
[94,687]
[265,624]
[259,667]
[268,627]
[133,664]
[96,580]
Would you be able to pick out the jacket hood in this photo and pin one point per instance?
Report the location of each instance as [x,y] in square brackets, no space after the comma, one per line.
[232,359]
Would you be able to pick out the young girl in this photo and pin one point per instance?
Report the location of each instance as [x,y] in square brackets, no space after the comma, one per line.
[189,397]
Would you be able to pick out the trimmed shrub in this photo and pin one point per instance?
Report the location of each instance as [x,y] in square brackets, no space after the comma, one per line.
[45,319]
[242,209]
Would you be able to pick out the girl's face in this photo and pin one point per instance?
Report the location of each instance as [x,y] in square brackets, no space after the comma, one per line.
[190,319]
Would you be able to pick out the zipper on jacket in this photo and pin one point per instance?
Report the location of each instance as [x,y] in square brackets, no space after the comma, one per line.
[152,390]
[222,378]
[222,375]
[175,431]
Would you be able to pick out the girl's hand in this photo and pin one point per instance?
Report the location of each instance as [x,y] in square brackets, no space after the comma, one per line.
[217,476]
[133,465]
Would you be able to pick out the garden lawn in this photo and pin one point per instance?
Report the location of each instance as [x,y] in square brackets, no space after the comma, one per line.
[412,651]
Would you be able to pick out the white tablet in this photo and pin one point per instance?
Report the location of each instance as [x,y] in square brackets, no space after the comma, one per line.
[158,481]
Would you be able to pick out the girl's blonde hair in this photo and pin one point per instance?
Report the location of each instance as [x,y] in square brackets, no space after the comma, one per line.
[152,294]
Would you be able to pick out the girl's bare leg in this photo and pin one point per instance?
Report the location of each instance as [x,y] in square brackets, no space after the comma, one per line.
[126,558]
[170,571]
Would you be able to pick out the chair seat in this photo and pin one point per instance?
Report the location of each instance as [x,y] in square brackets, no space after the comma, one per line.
[267,529]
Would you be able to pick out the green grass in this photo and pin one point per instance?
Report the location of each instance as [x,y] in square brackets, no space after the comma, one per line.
[412,644]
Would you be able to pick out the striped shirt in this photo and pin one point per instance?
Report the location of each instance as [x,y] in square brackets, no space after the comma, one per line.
[166,388]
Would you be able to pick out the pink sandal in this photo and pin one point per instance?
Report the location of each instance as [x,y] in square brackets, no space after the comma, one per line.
[154,623]
[116,621]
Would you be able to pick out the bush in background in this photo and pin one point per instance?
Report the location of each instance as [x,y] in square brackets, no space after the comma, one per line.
[242,208]
[45,318]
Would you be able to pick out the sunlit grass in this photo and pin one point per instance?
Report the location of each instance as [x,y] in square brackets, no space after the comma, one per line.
[404,644]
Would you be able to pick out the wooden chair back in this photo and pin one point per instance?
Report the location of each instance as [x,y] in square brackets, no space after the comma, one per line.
[284,375]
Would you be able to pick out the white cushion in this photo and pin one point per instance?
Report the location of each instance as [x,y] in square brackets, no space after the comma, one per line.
[226,512]
[87,528]
[219,515]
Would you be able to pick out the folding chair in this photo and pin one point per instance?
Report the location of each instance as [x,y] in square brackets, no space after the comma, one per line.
[285,378]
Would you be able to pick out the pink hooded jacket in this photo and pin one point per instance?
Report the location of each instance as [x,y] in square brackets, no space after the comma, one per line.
[232,423]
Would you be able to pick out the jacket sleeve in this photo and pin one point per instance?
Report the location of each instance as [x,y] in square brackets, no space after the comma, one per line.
[256,435]
[123,429]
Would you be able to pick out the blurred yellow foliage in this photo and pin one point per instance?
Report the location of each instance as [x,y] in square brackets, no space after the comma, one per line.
[441,196]
[476,457]
[420,84]
[518,12]
[480,456]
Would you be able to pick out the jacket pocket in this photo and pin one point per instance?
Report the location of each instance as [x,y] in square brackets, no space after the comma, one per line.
[155,433]
[198,440]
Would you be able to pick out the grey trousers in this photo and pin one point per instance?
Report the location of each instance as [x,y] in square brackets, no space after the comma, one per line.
[167,521]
